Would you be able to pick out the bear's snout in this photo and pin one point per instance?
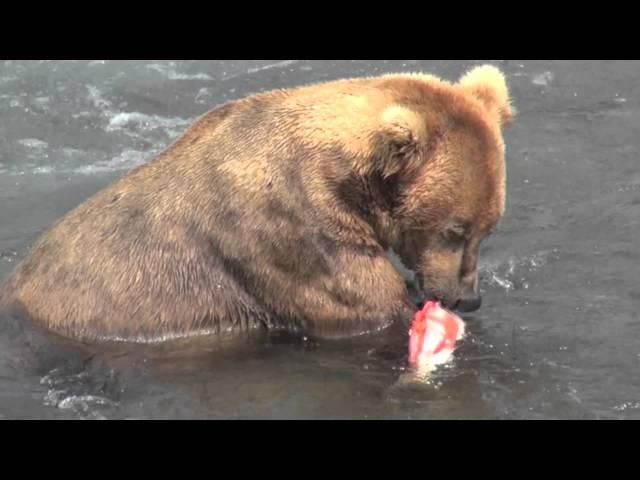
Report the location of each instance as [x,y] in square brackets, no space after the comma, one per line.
[470,302]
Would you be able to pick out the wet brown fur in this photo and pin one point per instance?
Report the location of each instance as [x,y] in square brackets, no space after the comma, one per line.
[275,211]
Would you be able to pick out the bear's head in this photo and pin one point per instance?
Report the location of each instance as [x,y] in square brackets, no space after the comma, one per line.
[443,154]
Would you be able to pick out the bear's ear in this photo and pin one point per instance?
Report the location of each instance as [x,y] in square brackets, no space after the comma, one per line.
[488,84]
[398,142]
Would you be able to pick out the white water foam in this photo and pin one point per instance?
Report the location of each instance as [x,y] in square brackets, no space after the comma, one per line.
[127,160]
[33,143]
[142,121]
[542,79]
[171,74]
[511,274]
[68,392]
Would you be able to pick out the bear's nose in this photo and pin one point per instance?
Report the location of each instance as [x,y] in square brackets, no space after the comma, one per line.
[470,302]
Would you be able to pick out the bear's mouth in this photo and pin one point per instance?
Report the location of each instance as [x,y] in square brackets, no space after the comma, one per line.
[432,298]
[429,298]
[419,296]
[422,296]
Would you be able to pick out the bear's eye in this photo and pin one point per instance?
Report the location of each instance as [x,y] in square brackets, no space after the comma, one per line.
[454,239]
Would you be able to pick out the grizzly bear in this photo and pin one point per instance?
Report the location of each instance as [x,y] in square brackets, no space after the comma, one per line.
[275,212]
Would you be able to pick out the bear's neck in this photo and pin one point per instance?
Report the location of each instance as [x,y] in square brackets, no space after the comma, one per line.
[358,209]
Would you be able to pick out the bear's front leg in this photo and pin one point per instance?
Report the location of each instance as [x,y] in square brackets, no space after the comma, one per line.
[366,296]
